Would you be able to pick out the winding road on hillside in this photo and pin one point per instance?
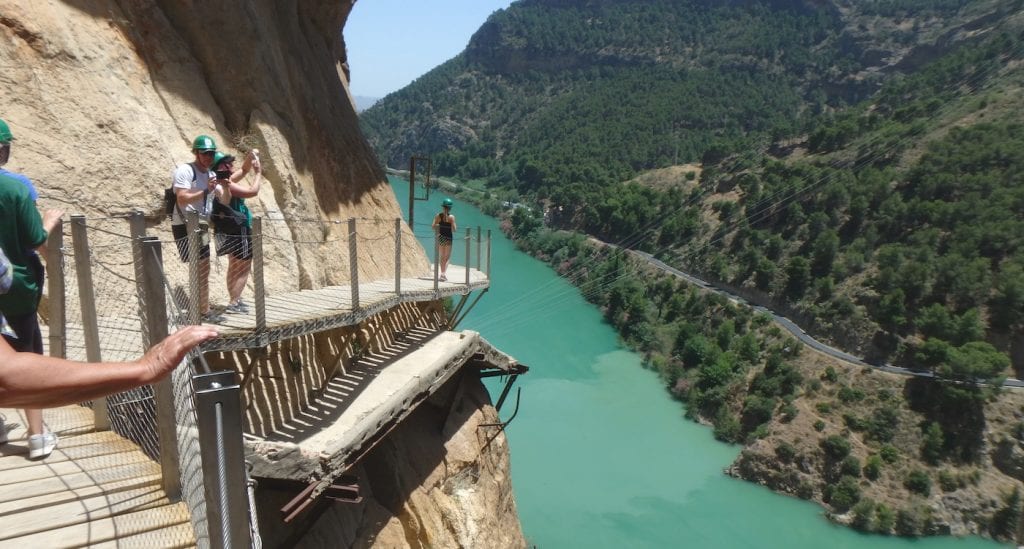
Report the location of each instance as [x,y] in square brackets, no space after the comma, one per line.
[793,328]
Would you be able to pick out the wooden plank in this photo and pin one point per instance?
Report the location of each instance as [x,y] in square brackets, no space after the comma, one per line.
[13,491]
[173,537]
[59,420]
[16,468]
[82,511]
[163,526]
[42,500]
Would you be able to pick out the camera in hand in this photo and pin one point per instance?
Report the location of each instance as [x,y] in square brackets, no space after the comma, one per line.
[223,174]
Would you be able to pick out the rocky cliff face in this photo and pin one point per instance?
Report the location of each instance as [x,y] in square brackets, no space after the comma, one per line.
[104,98]
[439,480]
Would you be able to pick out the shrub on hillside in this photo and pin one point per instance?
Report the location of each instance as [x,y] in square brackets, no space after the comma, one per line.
[889,453]
[850,467]
[727,427]
[872,467]
[836,448]
[842,495]
[863,515]
[885,519]
[932,445]
[919,482]
[785,452]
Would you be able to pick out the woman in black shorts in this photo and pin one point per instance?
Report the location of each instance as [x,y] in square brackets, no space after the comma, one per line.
[444,228]
[237,244]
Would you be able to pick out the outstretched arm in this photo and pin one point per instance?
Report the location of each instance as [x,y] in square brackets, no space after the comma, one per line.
[251,163]
[31,380]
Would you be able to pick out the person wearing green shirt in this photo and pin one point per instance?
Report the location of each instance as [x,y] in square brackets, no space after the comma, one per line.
[22,232]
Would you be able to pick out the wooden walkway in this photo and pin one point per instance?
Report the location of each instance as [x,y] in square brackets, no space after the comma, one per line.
[308,311]
[96,489]
[288,315]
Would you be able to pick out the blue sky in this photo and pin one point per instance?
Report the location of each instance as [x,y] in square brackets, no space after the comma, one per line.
[392,42]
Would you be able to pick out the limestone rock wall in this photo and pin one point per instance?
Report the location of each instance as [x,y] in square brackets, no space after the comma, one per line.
[105,96]
[440,479]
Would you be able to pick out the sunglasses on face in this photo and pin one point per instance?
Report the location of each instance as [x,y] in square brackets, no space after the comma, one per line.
[207,153]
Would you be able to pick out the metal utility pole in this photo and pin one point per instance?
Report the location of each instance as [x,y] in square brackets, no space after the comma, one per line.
[412,184]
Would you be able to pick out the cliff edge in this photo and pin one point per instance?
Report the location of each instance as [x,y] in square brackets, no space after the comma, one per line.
[104,98]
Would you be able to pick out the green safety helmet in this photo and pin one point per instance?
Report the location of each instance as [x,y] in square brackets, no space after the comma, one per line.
[204,143]
[447,203]
[221,157]
[5,133]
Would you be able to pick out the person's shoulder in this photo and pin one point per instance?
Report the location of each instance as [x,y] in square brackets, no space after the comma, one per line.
[184,175]
[18,176]
[14,187]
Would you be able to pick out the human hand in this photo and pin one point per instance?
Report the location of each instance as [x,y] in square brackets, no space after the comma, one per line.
[165,356]
[50,219]
[252,159]
[52,216]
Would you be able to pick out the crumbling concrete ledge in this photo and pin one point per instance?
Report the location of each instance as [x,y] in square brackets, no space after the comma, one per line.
[324,455]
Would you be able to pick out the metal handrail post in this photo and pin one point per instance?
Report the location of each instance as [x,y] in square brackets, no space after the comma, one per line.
[488,254]
[219,420]
[469,241]
[437,261]
[258,281]
[56,288]
[353,263]
[137,230]
[192,226]
[154,299]
[398,256]
[87,299]
[478,243]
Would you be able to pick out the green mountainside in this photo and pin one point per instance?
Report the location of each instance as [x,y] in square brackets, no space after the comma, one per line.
[854,161]
[855,165]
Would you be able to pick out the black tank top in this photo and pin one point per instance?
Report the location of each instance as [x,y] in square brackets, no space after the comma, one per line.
[444,227]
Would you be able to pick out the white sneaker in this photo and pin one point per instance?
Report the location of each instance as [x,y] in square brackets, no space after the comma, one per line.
[40,446]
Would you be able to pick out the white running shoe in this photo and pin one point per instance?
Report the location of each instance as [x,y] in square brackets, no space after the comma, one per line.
[40,446]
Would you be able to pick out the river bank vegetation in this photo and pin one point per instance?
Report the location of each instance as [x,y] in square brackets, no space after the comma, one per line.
[876,449]
[855,166]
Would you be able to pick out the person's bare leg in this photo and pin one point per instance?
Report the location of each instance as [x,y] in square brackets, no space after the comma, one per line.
[446,255]
[35,421]
[238,274]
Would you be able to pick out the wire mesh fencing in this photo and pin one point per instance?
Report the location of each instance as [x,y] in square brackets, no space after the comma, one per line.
[120,284]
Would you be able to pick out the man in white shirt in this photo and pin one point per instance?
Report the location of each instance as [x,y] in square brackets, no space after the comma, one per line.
[192,184]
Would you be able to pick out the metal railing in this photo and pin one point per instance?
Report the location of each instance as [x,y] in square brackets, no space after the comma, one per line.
[115,296]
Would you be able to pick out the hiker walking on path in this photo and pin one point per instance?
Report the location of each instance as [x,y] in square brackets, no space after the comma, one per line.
[233,221]
[193,188]
[23,231]
[444,229]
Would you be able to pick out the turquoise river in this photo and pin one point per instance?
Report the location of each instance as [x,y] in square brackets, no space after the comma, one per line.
[601,456]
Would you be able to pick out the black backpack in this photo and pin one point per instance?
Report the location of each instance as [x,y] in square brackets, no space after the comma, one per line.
[171,199]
